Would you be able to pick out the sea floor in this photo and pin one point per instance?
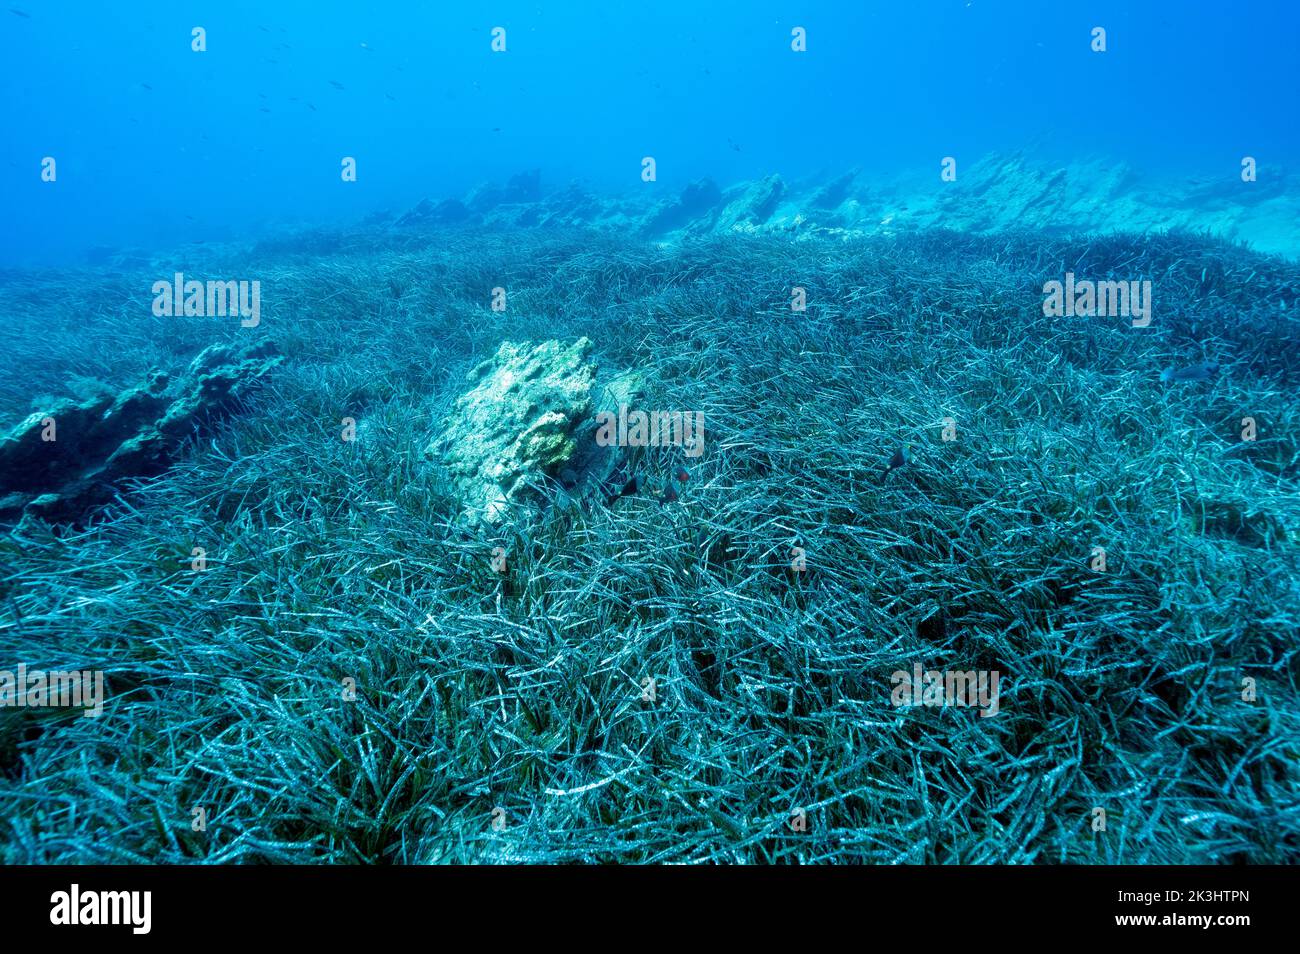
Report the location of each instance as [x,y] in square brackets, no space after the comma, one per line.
[351,677]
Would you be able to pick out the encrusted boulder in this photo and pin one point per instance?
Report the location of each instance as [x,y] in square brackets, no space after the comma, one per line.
[527,428]
[62,462]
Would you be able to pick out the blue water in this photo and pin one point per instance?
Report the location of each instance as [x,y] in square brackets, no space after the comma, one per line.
[156,144]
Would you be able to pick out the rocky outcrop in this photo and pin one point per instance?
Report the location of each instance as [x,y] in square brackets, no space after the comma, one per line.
[1002,191]
[446,212]
[570,206]
[696,202]
[833,194]
[522,188]
[526,428]
[753,205]
[62,462]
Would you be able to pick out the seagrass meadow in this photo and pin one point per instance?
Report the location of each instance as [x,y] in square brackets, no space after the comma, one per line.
[661,681]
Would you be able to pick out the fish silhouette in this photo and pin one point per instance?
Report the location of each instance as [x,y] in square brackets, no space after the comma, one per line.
[902,457]
[1196,372]
[633,486]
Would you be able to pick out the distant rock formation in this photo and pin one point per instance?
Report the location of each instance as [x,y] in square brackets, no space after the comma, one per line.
[523,188]
[831,195]
[752,206]
[62,462]
[528,423]
[1000,191]
[696,202]
[444,212]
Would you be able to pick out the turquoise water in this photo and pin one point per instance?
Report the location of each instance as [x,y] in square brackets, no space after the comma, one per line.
[156,144]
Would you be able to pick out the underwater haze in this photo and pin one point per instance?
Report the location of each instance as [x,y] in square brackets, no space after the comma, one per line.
[648,433]
[157,143]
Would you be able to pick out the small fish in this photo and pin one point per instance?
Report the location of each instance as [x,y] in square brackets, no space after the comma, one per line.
[390,96]
[147,86]
[681,473]
[670,494]
[19,13]
[336,84]
[633,485]
[311,107]
[1196,372]
[902,457]
[264,110]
